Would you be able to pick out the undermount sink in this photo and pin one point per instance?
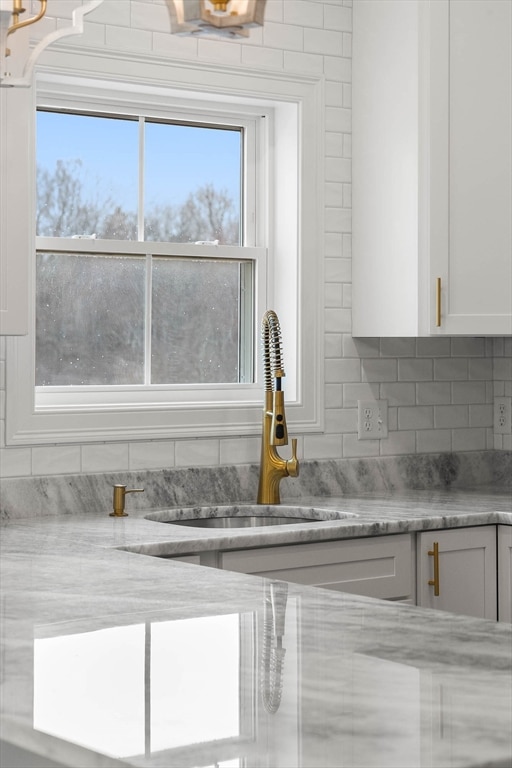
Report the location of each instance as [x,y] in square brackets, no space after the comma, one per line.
[246,516]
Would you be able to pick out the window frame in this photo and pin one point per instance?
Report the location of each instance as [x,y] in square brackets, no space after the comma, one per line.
[291,227]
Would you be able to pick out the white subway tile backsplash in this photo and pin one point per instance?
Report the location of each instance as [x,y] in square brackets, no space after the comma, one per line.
[415,417]
[338,119]
[323,446]
[413,369]
[436,347]
[325,41]
[175,46]
[304,13]
[113,12]
[433,440]
[333,245]
[158,454]
[480,368]
[468,392]
[502,368]
[379,370]
[481,415]
[308,63]
[450,369]
[109,457]
[338,169]
[354,392]
[333,345]
[473,439]
[333,296]
[338,68]
[192,453]
[337,17]
[353,448]
[219,51]
[121,39]
[342,370]
[333,94]
[447,416]
[337,220]
[369,347]
[333,395]
[398,443]
[288,37]
[390,347]
[333,191]
[465,346]
[338,270]
[433,392]
[15,462]
[56,460]
[337,320]
[240,450]
[334,144]
[263,58]
[398,393]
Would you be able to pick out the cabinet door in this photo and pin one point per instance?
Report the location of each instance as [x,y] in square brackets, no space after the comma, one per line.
[16,211]
[471,165]
[377,567]
[466,572]
[505,573]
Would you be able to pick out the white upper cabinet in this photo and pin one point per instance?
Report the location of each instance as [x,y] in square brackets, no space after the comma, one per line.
[16,210]
[432,167]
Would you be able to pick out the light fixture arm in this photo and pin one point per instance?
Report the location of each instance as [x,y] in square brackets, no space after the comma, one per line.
[18,10]
[17,63]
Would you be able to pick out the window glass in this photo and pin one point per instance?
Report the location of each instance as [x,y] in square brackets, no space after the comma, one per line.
[87,176]
[192,183]
[195,321]
[89,319]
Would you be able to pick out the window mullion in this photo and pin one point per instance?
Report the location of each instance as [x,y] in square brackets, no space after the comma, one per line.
[140,211]
[147,319]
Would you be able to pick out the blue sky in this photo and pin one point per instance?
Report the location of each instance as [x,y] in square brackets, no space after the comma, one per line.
[178,159]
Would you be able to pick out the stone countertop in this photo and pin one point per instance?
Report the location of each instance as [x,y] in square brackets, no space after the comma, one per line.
[112,658]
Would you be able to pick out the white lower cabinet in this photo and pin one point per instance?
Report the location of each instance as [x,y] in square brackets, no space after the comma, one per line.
[505,573]
[470,569]
[457,571]
[381,566]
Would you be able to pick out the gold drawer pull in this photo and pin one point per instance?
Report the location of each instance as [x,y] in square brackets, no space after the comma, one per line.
[438,302]
[435,581]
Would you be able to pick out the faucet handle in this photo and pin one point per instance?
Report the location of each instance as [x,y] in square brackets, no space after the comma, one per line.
[292,465]
[120,492]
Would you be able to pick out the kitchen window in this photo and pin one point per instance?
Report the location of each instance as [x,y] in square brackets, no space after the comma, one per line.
[145,263]
[150,356]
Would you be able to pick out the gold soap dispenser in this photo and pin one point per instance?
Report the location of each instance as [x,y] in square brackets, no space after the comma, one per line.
[118,501]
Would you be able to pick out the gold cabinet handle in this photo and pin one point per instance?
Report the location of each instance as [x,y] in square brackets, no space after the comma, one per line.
[435,581]
[438,302]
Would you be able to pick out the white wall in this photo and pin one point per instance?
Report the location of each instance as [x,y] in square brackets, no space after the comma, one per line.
[439,390]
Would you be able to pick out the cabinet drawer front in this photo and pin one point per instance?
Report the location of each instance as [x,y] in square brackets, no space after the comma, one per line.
[377,567]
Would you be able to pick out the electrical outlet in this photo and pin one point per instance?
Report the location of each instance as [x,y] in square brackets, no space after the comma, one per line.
[372,419]
[503,415]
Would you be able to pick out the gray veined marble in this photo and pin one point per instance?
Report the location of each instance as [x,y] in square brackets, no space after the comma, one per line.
[110,657]
[77,494]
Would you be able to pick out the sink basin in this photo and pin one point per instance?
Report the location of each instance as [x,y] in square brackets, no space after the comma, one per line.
[246,516]
[246,521]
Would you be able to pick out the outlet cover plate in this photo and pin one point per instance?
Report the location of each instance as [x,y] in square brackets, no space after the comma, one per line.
[372,419]
[502,415]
